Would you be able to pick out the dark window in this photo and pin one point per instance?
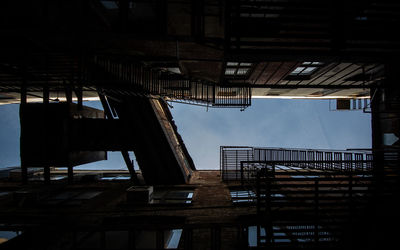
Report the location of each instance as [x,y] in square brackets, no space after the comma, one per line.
[173,197]
[243,196]
[73,197]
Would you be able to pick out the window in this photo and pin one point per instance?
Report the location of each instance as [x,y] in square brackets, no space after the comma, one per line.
[304,71]
[141,239]
[73,197]
[120,177]
[243,196]
[4,194]
[110,5]
[237,69]
[173,197]
[8,235]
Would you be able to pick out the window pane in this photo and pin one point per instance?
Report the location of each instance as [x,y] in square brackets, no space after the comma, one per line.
[230,72]
[308,70]
[87,195]
[297,70]
[245,64]
[173,240]
[179,194]
[242,71]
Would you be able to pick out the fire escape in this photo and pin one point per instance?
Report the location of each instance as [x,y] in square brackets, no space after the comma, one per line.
[308,198]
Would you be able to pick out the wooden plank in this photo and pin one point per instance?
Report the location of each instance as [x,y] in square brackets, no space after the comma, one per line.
[257,72]
[268,72]
[285,69]
[337,73]
[327,73]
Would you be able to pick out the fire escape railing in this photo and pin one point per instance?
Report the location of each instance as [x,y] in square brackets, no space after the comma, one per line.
[309,208]
[238,161]
[304,197]
[133,78]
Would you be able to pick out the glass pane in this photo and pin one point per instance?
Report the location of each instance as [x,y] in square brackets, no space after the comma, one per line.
[229,72]
[159,194]
[170,201]
[308,70]
[174,237]
[65,195]
[242,71]
[87,195]
[245,64]
[178,194]
[297,70]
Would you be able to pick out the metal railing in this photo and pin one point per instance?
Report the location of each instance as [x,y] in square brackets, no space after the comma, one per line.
[309,208]
[134,78]
[230,158]
[241,161]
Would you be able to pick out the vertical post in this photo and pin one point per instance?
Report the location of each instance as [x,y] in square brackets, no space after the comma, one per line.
[215,237]
[243,236]
[351,195]
[160,239]
[241,173]
[188,233]
[68,93]
[70,174]
[316,202]
[74,240]
[79,90]
[123,14]
[46,98]
[132,239]
[24,168]
[258,195]
[79,95]
[236,164]
[102,239]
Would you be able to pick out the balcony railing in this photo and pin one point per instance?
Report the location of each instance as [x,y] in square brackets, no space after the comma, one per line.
[239,162]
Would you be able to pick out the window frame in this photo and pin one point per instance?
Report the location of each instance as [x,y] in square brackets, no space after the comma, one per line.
[235,67]
[305,71]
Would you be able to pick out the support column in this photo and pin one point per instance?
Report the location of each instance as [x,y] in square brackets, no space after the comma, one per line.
[70,174]
[24,168]
[46,98]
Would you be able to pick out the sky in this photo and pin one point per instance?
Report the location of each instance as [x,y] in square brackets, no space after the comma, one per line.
[293,123]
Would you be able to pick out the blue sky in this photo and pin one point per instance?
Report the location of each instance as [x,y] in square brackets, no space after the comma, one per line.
[267,123]
[270,123]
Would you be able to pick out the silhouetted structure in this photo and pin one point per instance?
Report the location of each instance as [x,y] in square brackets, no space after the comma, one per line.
[134,56]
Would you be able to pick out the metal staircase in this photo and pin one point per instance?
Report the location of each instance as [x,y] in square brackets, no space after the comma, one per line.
[133,78]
